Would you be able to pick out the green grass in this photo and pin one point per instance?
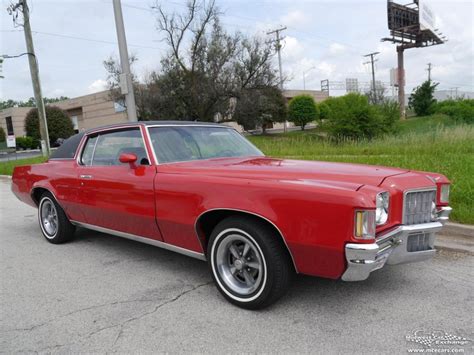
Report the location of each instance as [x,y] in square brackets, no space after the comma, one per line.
[421,144]
[6,168]
[425,123]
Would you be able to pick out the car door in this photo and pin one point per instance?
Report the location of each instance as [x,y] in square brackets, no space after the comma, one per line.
[115,195]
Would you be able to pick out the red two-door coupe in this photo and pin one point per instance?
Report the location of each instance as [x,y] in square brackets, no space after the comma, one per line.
[203,190]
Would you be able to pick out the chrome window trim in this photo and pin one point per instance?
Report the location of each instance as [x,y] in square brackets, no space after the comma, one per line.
[421,189]
[86,137]
[141,239]
[250,213]
[151,145]
[189,125]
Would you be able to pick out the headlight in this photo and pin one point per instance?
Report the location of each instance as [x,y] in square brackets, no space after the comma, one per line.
[381,208]
[444,194]
[364,224]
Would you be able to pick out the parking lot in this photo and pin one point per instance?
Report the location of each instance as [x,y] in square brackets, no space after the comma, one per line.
[100,293]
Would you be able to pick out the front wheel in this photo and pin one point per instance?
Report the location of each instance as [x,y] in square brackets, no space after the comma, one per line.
[53,221]
[248,262]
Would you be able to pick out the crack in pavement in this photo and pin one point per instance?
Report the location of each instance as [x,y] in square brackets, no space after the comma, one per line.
[121,325]
[174,299]
[74,312]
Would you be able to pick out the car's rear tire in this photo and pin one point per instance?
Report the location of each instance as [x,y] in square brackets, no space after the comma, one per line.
[54,224]
[249,264]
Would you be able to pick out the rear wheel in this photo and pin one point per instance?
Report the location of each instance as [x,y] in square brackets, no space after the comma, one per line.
[53,221]
[249,265]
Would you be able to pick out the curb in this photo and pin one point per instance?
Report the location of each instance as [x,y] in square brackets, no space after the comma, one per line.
[5,176]
[464,230]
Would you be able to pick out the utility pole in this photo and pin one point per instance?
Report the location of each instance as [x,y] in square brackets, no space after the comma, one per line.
[126,85]
[278,48]
[34,70]
[430,66]
[372,61]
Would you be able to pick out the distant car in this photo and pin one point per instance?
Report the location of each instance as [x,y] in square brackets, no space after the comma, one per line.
[205,191]
[58,142]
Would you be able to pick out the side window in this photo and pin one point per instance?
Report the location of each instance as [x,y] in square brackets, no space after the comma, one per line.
[88,152]
[111,145]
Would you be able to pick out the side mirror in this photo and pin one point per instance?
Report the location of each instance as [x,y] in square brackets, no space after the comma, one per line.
[129,158]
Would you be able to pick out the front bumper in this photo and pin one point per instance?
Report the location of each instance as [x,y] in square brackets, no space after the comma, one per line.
[403,244]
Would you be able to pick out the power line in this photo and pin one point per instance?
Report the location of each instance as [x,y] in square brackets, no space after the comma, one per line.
[92,40]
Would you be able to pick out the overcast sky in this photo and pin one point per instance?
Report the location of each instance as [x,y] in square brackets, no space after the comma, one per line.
[72,38]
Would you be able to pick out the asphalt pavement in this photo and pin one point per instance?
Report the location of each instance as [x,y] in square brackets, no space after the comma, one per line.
[101,293]
[19,155]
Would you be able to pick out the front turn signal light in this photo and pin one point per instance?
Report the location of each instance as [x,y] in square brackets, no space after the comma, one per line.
[364,224]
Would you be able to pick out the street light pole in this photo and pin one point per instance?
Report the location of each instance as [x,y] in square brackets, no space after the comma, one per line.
[304,76]
[126,85]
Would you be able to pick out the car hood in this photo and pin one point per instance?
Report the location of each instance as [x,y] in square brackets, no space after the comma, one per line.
[351,176]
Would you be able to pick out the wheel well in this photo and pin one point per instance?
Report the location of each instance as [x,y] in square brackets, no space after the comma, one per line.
[209,220]
[36,194]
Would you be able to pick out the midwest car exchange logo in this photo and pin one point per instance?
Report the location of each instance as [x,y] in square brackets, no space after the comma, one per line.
[437,338]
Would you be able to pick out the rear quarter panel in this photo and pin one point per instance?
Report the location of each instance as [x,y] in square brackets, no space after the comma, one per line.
[57,176]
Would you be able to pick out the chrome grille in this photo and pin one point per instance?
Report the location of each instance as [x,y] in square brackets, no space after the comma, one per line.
[418,242]
[417,206]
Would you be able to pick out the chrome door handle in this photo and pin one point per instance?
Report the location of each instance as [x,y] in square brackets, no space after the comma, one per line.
[85,176]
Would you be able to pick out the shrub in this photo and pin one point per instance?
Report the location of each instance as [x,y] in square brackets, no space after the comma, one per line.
[25,143]
[324,111]
[3,136]
[352,117]
[390,114]
[302,110]
[461,110]
[59,124]
[422,100]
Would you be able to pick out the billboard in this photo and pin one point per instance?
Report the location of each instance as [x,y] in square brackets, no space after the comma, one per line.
[426,17]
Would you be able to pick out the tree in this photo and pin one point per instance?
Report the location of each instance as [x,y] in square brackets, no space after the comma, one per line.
[2,135]
[59,124]
[260,108]
[30,102]
[324,111]
[422,99]
[302,109]
[209,66]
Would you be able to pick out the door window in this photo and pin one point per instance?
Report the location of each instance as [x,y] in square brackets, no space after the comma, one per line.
[106,148]
[88,152]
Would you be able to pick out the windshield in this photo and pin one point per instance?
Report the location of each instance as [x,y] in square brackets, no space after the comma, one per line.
[185,143]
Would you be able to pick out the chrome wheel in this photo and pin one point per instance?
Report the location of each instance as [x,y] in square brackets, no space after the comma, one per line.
[49,218]
[239,262]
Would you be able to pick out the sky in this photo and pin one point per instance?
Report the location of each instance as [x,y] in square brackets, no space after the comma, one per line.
[325,39]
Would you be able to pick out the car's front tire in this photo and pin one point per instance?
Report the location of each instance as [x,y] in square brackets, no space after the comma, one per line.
[248,262]
[54,224]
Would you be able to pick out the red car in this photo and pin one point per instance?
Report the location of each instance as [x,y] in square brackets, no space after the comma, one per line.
[203,190]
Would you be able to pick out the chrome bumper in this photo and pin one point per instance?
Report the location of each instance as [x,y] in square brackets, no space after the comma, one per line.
[393,248]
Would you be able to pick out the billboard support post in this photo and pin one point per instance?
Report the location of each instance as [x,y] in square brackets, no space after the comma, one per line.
[401,82]
[411,26]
